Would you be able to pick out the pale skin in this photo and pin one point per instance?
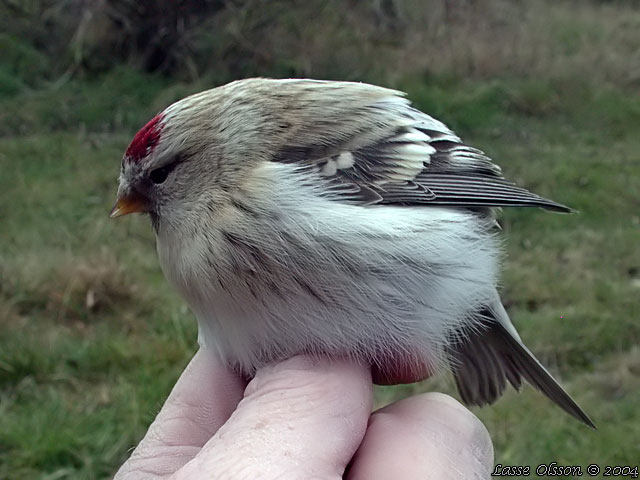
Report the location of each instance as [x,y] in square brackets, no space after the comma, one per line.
[305,418]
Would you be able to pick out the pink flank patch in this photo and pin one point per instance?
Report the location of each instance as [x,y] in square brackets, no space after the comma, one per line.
[145,140]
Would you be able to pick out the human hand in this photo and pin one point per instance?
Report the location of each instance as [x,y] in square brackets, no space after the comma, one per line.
[305,419]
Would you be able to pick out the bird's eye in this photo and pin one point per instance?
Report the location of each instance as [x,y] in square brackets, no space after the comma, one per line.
[159,175]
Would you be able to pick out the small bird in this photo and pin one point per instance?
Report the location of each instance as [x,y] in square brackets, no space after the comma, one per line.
[333,218]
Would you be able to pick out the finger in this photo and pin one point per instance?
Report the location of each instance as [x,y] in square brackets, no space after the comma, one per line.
[429,436]
[301,418]
[201,401]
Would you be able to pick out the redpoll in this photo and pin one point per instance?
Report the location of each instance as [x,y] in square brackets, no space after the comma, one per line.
[333,218]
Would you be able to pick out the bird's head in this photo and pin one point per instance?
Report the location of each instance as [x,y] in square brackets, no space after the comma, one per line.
[195,155]
[190,156]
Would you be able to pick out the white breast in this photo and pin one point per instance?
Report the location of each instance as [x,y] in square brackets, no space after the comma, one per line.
[325,277]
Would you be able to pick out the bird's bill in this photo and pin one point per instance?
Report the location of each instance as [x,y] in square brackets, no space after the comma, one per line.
[127,204]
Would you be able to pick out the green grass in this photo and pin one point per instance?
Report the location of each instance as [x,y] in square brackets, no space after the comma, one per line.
[92,338]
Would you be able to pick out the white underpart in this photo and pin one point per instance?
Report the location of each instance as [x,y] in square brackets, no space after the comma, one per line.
[372,283]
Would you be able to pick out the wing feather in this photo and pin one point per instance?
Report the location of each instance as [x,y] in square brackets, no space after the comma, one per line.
[379,149]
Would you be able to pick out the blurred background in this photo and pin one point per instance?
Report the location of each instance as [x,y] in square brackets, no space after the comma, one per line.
[91,336]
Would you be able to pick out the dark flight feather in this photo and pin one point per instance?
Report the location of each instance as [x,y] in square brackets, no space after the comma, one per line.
[399,155]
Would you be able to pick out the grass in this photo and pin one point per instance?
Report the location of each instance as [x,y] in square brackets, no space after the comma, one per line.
[92,338]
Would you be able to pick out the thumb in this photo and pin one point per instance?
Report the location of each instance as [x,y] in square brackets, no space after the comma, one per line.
[301,418]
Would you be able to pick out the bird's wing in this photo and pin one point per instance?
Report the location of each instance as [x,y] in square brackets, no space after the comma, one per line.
[375,148]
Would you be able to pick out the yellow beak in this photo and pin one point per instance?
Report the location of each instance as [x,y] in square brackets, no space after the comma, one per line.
[126,205]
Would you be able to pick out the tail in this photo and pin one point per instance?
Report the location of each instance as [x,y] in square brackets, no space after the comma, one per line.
[486,359]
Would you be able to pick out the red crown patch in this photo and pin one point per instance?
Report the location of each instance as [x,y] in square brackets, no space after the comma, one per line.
[145,140]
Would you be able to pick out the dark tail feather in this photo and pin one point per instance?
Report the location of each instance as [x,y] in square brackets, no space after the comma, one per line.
[485,359]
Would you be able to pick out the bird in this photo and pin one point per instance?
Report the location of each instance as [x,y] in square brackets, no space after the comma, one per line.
[334,219]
